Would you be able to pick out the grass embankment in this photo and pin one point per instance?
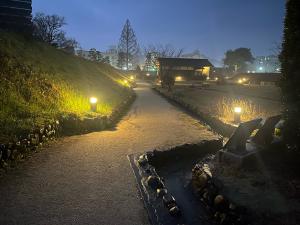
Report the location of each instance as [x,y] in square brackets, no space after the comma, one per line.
[40,83]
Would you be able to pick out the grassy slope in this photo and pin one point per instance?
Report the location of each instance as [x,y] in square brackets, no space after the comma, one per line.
[40,83]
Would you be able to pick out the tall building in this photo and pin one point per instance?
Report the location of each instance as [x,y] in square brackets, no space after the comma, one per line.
[112,54]
[16,15]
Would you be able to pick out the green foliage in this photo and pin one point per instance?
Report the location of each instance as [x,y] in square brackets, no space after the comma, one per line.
[290,82]
[39,83]
[237,59]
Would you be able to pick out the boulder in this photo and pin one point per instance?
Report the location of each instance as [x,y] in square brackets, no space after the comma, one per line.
[169,201]
[161,192]
[154,182]
[175,211]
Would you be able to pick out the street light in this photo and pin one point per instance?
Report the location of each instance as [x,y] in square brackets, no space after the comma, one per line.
[237,114]
[93,103]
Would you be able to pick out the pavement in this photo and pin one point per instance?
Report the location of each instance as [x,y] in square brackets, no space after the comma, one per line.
[87,179]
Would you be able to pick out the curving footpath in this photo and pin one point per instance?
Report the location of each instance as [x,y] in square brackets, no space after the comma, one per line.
[87,179]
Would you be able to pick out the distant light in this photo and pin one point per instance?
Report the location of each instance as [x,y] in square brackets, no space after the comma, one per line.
[248,71]
[240,81]
[260,68]
[216,78]
[178,78]
[237,109]
[207,78]
[126,81]
[244,79]
[148,74]
[93,100]
[131,77]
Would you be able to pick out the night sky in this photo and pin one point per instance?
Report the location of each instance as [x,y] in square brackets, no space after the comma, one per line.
[212,26]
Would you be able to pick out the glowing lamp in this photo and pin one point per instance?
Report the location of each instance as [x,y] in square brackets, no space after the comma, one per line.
[131,77]
[93,103]
[237,114]
[178,78]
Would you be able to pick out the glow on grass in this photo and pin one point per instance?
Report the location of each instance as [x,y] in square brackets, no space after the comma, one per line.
[227,107]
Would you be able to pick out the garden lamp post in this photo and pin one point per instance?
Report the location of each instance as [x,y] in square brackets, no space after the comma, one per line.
[93,103]
[237,114]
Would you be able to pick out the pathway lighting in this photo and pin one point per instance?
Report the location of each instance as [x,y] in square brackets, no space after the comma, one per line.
[237,114]
[93,103]
[178,78]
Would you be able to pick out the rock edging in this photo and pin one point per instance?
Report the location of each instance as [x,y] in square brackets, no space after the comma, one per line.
[217,125]
[18,148]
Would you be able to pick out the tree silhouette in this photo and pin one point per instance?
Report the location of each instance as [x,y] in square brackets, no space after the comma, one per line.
[290,81]
[128,46]
[237,59]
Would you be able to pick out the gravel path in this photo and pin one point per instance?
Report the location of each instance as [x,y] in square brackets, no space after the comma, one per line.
[87,179]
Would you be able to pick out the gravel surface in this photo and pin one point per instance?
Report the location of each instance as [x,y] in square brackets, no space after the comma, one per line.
[87,179]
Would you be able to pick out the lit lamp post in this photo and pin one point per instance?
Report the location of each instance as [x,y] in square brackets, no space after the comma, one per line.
[93,102]
[237,114]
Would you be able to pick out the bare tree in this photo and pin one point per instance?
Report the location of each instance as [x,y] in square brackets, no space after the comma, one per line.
[163,51]
[152,52]
[128,45]
[48,28]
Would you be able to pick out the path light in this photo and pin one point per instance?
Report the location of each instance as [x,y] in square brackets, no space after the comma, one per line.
[131,77]
[93,103]
[178,78]
[237,114]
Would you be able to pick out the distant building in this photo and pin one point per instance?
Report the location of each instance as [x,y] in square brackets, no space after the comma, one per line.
[265,64]
[112,54]
[82,53]
[16,15]
[185,68]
